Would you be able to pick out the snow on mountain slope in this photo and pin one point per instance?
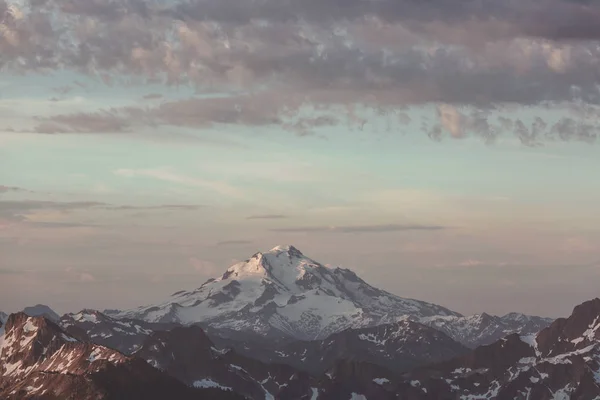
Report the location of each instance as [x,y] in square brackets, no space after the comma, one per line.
[188,354]
[561,362]
[283,291]
[123,335]
[481,329]
[399,347]
[39,360]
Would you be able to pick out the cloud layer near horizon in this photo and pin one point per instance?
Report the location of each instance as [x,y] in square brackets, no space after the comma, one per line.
[307,64]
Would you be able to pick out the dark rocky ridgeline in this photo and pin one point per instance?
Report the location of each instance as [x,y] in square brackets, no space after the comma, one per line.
[482,329]
[3,318]
[400,346]
[189,355]
[560,362]
[124,335]
[39,360]
[42,310]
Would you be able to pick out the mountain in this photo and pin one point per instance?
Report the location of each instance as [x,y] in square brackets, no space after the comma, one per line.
[283,292]
[481,329]
[561,362]
[40,310]
[38,360]
[3,319]
[126,336]
[188,354]
[399,346]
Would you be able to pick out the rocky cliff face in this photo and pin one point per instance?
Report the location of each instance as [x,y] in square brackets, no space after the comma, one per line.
[40,360]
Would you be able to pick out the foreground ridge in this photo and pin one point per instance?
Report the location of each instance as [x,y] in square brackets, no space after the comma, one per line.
[40,360]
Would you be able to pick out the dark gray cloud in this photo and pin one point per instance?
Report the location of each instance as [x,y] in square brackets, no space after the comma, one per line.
[327,54]
[268,216]
[258,42]
[361,228]
[460,123]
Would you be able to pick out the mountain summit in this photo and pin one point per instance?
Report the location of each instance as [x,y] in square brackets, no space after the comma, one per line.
[284,292]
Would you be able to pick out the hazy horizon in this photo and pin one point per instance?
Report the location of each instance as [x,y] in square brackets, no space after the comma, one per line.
[443,151]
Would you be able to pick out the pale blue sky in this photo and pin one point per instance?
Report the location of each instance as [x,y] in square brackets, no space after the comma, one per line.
[116,192]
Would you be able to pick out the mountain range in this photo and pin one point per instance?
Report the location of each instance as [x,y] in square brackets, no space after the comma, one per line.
[40,360]
[283,326]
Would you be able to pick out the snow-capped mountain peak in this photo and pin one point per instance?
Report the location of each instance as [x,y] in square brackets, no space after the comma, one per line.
[284,291]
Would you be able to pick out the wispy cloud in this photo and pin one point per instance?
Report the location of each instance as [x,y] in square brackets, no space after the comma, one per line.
[190,207]
[233,242]
[360,228]
[267,216]
[153,96]
[25,212]
[168,175]
[97,122]
[8,189]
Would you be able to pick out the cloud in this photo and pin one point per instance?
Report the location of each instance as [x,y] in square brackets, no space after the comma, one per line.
[10,271]
[24,206]
[98,122]
[58,225]
[233,242]
[8,189]
[334,56]
[361,228]
[268,216]
[190,207]
[167,175]
[28,212]
[153,96]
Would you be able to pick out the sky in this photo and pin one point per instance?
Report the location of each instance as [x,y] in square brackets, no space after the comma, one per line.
[443,150]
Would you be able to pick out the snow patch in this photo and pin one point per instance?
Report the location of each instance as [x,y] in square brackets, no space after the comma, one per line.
[381,381]
[315,393]
[356,396]
[209,383]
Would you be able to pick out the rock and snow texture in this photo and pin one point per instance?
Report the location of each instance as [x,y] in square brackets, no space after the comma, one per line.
[41,310]
[33,344]
[481,329]
[39,360]
[285,292]
[560,362]
[399,347]
[188,354]
[126,336]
